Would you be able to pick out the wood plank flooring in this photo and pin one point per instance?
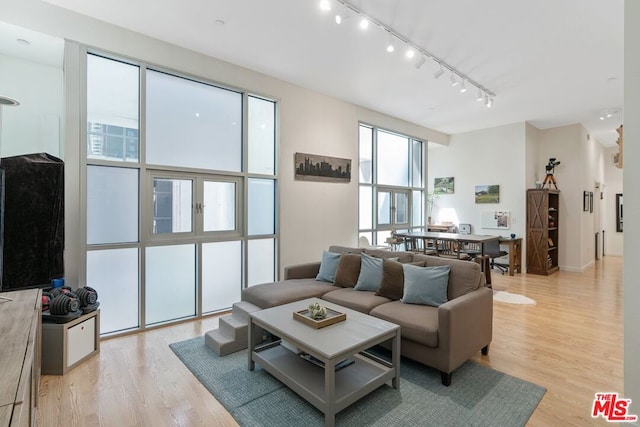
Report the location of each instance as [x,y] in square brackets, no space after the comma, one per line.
[571,343]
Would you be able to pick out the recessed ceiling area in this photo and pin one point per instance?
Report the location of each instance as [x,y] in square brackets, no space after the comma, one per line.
[549,63]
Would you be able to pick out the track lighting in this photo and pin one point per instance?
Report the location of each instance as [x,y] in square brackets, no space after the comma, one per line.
[457,79]
[454,81]
[438,73]
[391,45]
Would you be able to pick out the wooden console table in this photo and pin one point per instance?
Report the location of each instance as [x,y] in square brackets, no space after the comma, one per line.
[20,320]
[515,254]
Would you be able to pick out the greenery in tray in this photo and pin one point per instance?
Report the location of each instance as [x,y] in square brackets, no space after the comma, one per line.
[317,311]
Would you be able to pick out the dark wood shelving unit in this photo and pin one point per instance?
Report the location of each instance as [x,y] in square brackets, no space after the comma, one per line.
[543,216]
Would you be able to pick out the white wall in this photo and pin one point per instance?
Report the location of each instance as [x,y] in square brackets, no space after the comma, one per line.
[34,125]
[312,215]
[632,203]
[492,156]
[613,244]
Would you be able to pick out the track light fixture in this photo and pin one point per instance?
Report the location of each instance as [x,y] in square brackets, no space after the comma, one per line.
[456,78]
[438,73]
[453,79]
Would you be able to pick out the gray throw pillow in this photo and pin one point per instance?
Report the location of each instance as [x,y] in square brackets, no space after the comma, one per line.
[425,285]
[370,274]
[328,267]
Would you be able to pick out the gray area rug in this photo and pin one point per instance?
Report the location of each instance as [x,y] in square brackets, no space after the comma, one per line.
[478,396]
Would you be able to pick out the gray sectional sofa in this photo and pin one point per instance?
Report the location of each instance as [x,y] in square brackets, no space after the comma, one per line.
[442,337]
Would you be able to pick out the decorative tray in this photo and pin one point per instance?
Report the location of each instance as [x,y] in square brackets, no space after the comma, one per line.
[332,318]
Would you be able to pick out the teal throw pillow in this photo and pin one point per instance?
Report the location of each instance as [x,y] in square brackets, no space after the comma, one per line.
[370,274]
[328,267]
[425,285]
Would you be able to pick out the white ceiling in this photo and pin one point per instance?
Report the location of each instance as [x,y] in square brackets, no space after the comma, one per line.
[549,62]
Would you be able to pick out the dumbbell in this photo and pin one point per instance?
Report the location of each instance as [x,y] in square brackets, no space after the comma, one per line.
[87,295]
[64,303]
[47,297]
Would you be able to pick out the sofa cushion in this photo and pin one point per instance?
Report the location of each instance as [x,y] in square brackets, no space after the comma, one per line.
[425,285]
[370,273]
[328,267]
[362,301]
[419,323]
[392,285]
[269,295]
[348,270]
[464,277]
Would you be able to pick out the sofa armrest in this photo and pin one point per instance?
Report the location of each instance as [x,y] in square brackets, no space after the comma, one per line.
[302,271]
[465,325]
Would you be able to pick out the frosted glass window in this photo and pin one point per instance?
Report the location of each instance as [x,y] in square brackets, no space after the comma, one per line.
[417,207]
[114,275]
[172,205]
[191,124]
[366,208]
[366,154]
[416,163]
[393,159]
[221,275]
[262,136]
[170,290]
[219,206]
[112,205]
[261,206]
[112,110]
[261,261]
[384,207]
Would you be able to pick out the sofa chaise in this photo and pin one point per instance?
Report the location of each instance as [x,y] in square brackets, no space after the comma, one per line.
[441,336]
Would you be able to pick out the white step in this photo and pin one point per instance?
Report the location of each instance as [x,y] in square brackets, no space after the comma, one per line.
[222,344]
[232,327]
[242,309]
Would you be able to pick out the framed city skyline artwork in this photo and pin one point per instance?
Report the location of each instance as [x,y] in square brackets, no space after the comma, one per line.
[313,167]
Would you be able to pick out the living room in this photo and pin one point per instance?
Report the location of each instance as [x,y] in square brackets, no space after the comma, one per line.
[316,123]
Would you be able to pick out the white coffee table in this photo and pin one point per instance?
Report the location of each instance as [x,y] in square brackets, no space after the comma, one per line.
[327,389]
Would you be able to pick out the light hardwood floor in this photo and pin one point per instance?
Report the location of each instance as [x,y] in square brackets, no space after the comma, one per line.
[570,342]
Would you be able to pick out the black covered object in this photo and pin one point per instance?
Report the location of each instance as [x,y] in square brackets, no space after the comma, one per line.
[33,221]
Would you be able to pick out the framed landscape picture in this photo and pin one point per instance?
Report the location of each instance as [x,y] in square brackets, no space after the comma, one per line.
[443,185]
[487,194]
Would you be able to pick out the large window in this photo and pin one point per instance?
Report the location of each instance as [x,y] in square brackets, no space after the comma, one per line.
[391,184]
[180,193]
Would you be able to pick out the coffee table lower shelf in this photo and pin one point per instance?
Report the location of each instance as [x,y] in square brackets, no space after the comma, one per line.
[308,380]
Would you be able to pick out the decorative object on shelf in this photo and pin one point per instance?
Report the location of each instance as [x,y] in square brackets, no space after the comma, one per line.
[444,185]
[513,235]
[331,316]
[585,201]
[487,194]
[312,167]
[550,168]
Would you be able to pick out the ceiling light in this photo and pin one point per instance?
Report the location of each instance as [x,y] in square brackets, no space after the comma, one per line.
[410,53]
[325,5]
[454,81]
[391,45]
[489,101]
[438,73]
[480,96]
[420,62]
[463,88]
[601,117]
[364,23]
